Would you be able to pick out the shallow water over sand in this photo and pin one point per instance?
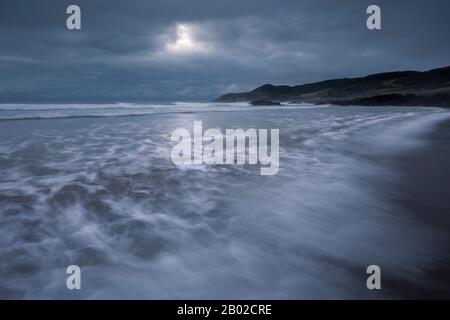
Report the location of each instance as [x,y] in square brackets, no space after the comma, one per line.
[94,186]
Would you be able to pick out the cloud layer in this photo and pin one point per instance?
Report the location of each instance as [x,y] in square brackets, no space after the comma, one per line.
[198,49]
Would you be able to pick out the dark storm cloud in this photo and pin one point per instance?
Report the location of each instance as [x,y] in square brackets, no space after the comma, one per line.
[199,49]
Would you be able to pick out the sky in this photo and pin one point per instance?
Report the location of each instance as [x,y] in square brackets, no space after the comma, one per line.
[196,50]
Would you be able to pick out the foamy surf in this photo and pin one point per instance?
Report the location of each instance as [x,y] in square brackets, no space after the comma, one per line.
[103,194]
[58,111]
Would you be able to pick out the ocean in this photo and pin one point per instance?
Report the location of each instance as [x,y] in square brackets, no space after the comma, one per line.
[94,186]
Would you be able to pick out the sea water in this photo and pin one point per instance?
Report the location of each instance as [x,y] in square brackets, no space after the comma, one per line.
[94,186]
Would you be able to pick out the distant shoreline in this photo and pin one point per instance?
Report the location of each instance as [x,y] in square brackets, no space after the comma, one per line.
[405,88]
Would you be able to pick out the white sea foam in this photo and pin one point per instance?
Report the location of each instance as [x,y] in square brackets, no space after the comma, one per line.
[103,194]
[58,111]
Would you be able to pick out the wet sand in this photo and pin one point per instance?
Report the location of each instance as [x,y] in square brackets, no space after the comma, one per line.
[425,194]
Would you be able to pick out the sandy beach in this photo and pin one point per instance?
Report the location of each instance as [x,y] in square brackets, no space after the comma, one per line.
[424,193]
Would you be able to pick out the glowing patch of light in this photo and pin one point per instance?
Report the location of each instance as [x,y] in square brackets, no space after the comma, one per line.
[185,42]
